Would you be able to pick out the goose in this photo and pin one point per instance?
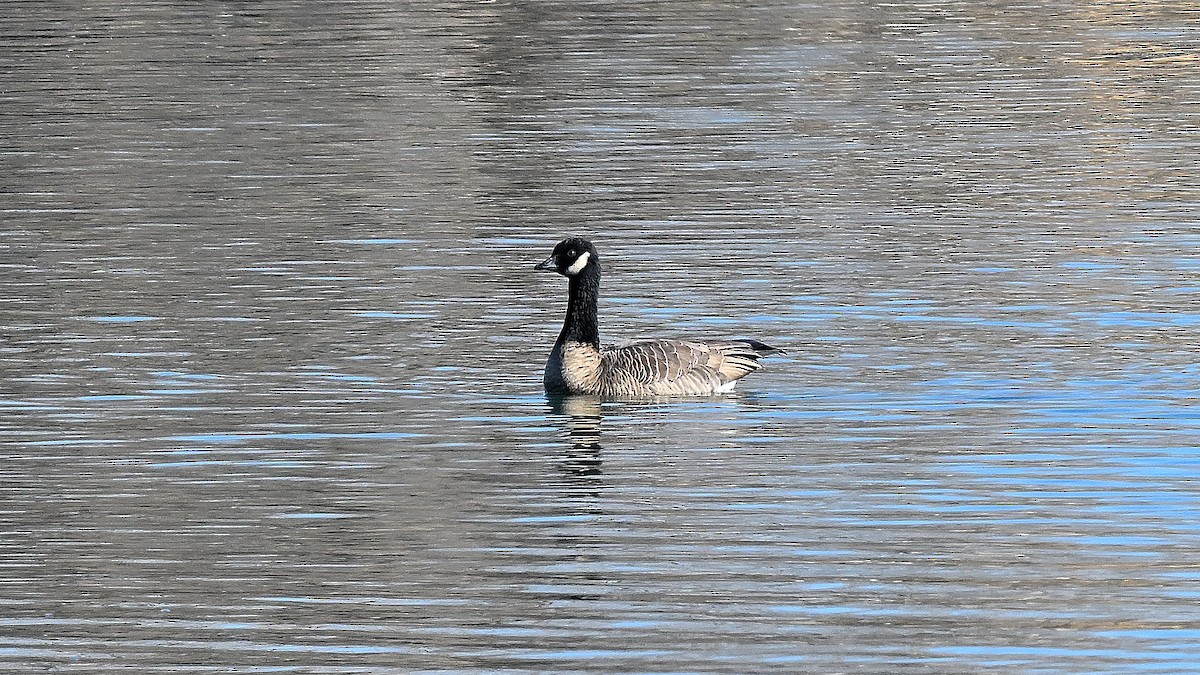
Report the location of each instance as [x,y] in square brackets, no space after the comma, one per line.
[578,364]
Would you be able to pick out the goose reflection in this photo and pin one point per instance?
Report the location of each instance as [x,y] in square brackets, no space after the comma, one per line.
[581,419]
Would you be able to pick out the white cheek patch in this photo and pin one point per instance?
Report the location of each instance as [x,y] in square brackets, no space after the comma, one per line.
[579,263]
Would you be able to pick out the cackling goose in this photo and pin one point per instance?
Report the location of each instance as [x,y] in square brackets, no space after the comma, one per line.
[642,369]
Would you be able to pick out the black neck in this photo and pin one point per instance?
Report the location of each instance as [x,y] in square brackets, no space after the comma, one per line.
[584,293]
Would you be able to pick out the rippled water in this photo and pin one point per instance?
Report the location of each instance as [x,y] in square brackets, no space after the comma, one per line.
[271,344]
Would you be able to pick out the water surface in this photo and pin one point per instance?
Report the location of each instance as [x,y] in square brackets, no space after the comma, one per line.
[271,341]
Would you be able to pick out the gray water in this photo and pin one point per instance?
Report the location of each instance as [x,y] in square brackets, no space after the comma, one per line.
[272,345]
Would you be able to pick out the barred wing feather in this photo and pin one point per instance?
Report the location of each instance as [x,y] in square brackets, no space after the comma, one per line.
[677,367]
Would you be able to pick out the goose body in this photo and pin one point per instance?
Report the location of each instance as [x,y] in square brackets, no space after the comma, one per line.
[578,364]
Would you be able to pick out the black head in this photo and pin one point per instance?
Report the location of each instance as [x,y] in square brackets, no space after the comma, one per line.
[571,257]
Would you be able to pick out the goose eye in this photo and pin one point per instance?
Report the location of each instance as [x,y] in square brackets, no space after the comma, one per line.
[571,253]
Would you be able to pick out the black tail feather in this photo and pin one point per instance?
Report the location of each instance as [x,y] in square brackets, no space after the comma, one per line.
[761,348]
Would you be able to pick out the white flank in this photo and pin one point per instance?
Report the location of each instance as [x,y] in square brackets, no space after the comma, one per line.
[579,263]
